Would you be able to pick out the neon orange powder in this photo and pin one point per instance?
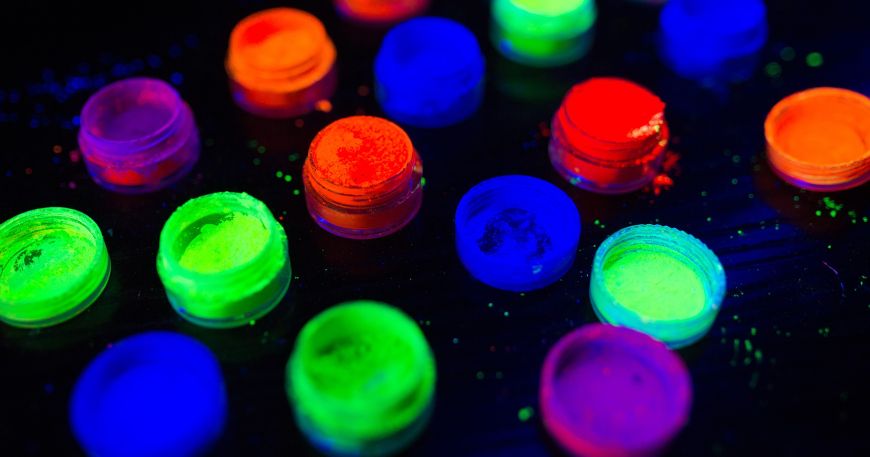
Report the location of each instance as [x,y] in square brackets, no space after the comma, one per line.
[362,177]
[281,62]
[819,139]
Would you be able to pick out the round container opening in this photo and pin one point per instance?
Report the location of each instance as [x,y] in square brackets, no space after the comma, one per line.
[609,390]
[516,232]
[658,280]
[380,11]
[153,394]
[53,265]
[279,39]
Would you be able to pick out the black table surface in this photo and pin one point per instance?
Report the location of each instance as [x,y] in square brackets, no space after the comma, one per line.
[784,370]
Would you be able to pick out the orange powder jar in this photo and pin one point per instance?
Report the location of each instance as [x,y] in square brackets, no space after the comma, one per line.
[280,63]
[819,139]
[362,178]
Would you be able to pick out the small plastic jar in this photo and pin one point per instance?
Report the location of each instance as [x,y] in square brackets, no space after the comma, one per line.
[155,394]
[609,136]
[53,265]
[429,73]
[280,63]
[657,280]
[517,233]
[543,33]
[715,41]
[361,380]
[223,259]
[137,135]
[362,178]
[819,139]
[380,11]
[611,391]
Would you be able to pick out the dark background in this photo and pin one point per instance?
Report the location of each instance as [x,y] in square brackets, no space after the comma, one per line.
[784,371]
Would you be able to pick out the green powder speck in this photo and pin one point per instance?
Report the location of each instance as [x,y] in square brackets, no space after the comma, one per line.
[234,240]
[526,413]
[655,285]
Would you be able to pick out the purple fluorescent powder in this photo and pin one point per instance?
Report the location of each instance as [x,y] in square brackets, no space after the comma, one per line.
[612,391]
[138,135]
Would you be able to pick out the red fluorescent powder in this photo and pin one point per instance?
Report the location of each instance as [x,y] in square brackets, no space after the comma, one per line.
[362,178]
[360,152]
[609,136]
[614,110]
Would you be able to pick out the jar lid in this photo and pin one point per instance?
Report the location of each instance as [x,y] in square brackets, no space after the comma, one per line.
[428,72]
[53,265]
[361,379]
[150,395]
[819,139]
[223,259]
[609,390]
[516,232]
[657,280]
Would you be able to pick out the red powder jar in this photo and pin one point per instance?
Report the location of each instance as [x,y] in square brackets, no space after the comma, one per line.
[609,136]
[280,62]
[362,178]
[380,11]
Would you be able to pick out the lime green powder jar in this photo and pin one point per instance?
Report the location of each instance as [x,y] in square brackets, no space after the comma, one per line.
[657,280]
[361,380]
[53,265]
[223,260]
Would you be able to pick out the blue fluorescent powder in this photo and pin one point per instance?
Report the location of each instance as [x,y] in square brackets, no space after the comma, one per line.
[517,233]
[713,41]
[429,73]
[152,394]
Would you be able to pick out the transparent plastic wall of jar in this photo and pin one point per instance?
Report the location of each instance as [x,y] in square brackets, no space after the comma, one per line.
[609,136]
[137,135]
[543,33]
[280,63]
[362,178]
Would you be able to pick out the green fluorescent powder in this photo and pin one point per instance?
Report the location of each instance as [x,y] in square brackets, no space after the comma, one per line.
[543,32]
[223,260]
[361,379]
[53,265]
[655,285]
[234,240]
[658,280]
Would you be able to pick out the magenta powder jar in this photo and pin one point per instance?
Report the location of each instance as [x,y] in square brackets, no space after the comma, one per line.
[610,391]
[137,135]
